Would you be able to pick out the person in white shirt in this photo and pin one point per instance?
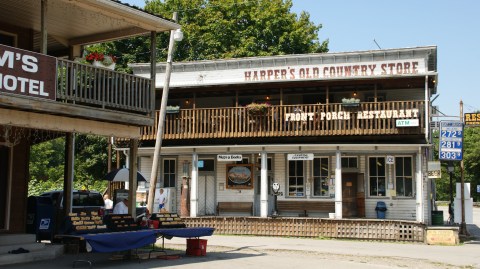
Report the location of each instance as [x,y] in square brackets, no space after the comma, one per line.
[121,207]
[162,200]
[108,202]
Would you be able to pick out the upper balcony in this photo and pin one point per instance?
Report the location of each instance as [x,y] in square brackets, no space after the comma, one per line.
[372,119]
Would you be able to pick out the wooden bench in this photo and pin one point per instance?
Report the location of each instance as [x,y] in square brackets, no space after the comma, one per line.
[246,207]
[305,206]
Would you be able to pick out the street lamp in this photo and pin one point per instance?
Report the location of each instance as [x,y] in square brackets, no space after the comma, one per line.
[175,35]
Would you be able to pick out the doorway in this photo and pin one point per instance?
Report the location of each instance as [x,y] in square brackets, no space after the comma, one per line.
[349,195]
[206,194]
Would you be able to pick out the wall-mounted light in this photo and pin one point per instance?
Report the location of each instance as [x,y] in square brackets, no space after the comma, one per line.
[187,101]
[355,93]
[178,35]
[268,97]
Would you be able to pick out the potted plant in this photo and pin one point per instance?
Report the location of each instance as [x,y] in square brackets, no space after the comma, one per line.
[258,108]
[100,60]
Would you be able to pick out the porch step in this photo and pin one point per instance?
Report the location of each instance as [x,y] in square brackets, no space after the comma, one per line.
[37,251]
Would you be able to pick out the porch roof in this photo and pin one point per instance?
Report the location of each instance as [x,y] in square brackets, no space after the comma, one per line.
[81,22]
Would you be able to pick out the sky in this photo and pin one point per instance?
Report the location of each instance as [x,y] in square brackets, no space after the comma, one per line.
[452,26]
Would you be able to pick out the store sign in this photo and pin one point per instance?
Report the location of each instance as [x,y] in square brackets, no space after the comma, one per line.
[293,72]
[407,123]
[300,157]
[229,157]
[472,118]
[27,73]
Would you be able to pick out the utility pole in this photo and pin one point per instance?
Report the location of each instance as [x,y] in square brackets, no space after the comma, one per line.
[463,225]
[161,119]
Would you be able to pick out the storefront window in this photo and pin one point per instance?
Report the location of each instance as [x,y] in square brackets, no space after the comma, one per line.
[320,177]
[377,176]
[169,173]
[404,176]
[296,180]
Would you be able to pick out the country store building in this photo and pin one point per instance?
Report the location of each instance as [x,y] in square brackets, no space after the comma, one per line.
[342,131]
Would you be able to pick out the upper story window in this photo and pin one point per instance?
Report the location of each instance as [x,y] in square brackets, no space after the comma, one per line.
[349,162]
[320,177]
[404,176]
[206,165]
[169,173]
[377,176]
[296,179]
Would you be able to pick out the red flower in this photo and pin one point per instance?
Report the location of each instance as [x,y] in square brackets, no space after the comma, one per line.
[94,56]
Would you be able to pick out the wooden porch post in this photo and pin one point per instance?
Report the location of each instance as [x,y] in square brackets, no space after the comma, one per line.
[43,26]
[132,178]
[194,187]
[68,172]
[338,185]
[419,189]
[264,186]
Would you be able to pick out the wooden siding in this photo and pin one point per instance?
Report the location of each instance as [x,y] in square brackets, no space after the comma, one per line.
[236,122]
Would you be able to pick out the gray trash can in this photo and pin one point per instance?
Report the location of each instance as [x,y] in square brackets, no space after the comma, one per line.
[381,209]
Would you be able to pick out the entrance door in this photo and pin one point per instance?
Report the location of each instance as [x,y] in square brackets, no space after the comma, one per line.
[349,194]
[206,194]
[4,168]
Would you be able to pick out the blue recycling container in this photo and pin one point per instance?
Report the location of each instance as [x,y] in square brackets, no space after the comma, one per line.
[381,209]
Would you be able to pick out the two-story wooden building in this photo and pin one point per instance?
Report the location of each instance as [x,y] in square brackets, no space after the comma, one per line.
[341,132]
[44,94]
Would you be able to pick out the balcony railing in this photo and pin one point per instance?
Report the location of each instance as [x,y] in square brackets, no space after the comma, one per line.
[294,120]
[100,87]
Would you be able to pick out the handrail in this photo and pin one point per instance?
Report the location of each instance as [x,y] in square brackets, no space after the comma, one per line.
[100,87]
[368,118]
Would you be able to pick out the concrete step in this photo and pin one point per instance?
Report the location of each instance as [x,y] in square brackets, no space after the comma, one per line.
[48,252]
[33,246]
[11,239]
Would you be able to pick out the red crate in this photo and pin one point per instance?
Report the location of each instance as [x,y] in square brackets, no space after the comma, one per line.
[196,247]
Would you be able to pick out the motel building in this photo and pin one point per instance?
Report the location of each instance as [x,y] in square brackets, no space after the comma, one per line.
[45,94]
[341,132]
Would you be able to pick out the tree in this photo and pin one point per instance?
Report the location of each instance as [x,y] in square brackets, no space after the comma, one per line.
[224,29]
[47,162]
[471,159]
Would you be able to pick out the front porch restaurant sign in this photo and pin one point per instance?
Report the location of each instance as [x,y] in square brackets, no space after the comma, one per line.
[229,157]
[27,73]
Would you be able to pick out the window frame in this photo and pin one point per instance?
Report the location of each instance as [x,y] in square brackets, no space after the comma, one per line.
[377,177]
[297,177]
[169,173]
[321,177]
[403,177]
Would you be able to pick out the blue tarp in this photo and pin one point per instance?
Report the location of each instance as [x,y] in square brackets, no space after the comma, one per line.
[120,241]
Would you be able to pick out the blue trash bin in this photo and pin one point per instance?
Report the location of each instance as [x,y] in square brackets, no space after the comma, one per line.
[381,209]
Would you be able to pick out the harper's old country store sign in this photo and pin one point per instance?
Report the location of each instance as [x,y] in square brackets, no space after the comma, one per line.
[292,72]
[27,73]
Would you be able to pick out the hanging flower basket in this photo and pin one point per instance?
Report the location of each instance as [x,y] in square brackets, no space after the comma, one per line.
[258,109]
[98,59]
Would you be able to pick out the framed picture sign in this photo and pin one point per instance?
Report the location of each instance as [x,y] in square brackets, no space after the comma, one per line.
[239,176]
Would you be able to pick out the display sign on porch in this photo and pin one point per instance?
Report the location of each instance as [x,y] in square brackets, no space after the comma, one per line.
[434,169]
[229,157]
[239,176]
[27,73]
[300,157]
